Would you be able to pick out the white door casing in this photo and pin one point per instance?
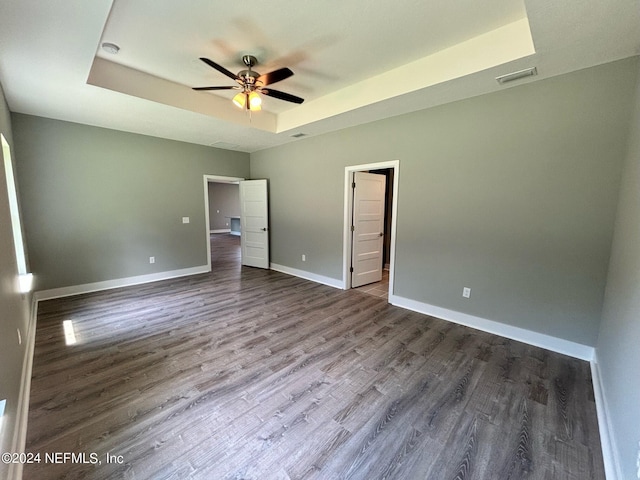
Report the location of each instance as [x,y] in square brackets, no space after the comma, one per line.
[368,228]
[254,218]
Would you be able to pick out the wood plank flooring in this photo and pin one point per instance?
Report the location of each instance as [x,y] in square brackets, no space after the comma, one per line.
[251,374]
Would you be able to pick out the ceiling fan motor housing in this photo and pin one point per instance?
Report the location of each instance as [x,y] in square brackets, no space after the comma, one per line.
[249,77]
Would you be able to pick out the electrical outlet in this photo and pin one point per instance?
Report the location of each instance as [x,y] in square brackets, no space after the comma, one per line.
[152,259]
[185,219]
[466,292]
[304,257]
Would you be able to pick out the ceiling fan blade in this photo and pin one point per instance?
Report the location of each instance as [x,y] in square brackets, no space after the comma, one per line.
[215,88]
[287,97]
[220,68]
[275,76]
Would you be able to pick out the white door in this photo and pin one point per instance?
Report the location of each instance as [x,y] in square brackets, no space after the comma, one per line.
[368,228]
[254,221]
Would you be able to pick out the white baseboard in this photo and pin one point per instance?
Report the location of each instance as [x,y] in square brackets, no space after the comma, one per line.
[566,347]
[314,277]
[221,230]
[608,442]
[22,414]
[118,282]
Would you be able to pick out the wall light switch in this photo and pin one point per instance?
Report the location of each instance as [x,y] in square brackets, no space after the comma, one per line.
[466,292]
[152,259]
[304,257]
[185,219]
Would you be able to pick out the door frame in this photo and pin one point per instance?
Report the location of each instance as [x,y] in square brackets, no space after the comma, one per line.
[207,180]
[348,207]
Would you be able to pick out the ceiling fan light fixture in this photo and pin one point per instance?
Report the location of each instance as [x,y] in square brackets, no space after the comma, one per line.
[240,100]
[255,101]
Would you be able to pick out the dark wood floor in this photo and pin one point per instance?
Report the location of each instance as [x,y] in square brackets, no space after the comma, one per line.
[252,374]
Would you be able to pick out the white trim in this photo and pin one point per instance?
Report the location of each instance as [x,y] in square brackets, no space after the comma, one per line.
[221,230]
[560,345]
[26,282]
[118,282]
[213,179]
[314,277]
[348,204]
[22,414]
[612,467]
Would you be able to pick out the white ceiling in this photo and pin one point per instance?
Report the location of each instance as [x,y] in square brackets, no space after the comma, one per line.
[354,61]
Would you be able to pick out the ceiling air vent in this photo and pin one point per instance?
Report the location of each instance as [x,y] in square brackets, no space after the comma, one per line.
[510,77]
[225,145]
[298,135]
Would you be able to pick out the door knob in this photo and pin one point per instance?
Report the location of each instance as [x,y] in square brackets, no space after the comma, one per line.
[264,229]
[381,234]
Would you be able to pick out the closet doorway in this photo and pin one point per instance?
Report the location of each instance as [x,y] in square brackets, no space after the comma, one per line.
[370,227]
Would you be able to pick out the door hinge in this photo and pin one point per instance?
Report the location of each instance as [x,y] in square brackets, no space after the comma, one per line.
[353,229]
[351,270]
[353,185]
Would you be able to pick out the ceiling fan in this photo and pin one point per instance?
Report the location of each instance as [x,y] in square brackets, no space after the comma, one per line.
[251,84]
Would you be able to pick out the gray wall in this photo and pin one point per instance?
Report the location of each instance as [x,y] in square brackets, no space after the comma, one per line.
[98,203]
[14,307]
[512,194]
[618,347]
[224,201]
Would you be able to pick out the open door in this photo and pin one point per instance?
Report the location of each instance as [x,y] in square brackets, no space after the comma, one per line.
[254,218]
[367,228]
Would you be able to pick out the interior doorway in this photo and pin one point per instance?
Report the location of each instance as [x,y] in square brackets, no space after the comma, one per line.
[220,229]
[387,253]
[368,228]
